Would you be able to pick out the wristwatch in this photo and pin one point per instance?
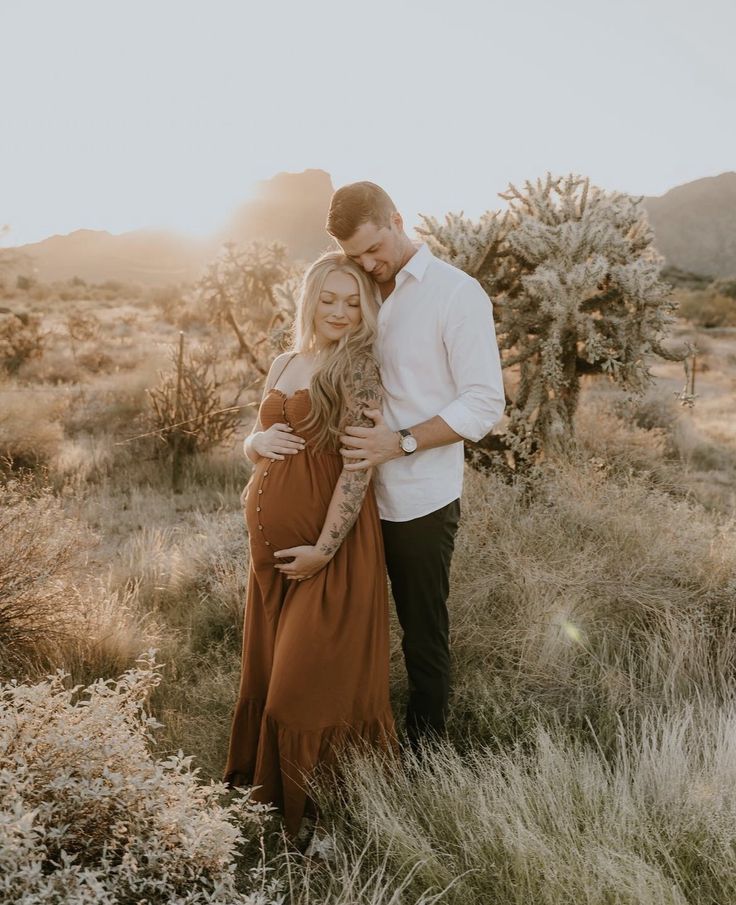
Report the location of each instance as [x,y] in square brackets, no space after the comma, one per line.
[408,442]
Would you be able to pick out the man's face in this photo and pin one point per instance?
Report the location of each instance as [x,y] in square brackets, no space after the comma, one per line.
[377,249]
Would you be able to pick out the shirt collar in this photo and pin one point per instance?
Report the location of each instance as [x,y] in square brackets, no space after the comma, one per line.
[417,264]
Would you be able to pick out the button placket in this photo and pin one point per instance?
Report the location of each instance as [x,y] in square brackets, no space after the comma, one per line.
[259,509]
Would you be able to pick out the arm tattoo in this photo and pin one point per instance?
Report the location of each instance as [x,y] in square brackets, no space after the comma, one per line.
[353,485]
[352,488]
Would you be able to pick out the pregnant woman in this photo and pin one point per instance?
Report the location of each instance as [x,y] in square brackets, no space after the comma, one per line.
[315,647]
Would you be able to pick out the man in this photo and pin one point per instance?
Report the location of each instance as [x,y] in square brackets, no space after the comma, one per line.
[441,370]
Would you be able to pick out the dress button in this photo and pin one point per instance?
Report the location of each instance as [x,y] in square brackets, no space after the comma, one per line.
[260,491]
[267,544]
[258,508]
[260,527]
[265,474]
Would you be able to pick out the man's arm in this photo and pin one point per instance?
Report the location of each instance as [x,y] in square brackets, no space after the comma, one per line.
[368,446]
[470,341]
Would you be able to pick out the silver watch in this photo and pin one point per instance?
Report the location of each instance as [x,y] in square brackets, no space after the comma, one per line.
[408,442]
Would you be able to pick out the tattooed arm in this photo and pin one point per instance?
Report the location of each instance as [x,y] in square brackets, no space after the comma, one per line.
[350,490]
[352,486]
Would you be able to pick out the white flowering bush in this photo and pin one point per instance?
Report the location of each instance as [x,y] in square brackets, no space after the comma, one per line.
[89,815]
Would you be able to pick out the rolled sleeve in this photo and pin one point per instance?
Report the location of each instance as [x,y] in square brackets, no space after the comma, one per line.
[469,336]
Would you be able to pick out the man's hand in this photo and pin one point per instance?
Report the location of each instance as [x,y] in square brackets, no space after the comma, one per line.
[365,447]
[306,562]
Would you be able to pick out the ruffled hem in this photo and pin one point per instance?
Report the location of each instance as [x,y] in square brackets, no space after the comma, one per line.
[281,760]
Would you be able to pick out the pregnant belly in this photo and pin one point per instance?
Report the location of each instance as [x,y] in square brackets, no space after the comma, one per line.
[286,501]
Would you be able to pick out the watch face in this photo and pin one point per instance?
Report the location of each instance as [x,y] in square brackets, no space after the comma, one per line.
[408,444]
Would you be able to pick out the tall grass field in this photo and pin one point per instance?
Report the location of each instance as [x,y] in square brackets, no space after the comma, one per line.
[591,752]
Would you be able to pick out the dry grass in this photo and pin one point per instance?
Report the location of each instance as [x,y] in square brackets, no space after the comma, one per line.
[52,612]
[592,621]
[551,820]
[595,596]
[30,430]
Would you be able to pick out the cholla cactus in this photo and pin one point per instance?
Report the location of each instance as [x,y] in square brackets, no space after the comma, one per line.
[240,289]
[204,419]
[21,339]
[576,287]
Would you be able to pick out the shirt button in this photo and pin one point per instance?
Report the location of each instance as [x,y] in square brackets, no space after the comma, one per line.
[260,527]
[258,508]
[265,474]
[260,491]
[267,544]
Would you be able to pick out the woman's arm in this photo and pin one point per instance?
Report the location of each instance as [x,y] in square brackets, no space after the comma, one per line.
[350,490]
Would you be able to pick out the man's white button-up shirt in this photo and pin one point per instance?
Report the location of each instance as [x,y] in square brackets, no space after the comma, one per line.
[438,355]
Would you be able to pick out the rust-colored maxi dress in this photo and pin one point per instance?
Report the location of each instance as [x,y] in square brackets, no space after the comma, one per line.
[315,653]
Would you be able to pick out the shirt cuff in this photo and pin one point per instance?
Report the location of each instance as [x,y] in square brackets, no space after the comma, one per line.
[459,417]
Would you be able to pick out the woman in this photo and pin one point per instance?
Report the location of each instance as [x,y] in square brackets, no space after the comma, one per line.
[315,647]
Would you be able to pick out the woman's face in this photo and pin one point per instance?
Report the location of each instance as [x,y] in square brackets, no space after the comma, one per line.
[338,308]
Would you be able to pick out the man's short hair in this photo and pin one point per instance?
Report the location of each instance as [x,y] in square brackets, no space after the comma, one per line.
[356,204]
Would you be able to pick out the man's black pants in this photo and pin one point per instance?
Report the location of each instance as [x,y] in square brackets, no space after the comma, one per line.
[418,556]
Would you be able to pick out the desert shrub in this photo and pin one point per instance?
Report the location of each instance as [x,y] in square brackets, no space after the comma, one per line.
[88,814]
[54,366]
[608,440]
[726,286]
[41,551]
[112,285]
[21,339]
[24,283]
[82,326]
[653,411]
[96,361]
[41,292]
[30,428]
[697,451]
[168,300]
[685,279]
[709,308]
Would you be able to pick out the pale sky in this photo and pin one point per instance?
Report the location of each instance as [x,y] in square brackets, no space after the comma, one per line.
[127,114]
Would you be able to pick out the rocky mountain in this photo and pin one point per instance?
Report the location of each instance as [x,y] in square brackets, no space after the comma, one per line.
[141,256]
[695,225]
[290,208]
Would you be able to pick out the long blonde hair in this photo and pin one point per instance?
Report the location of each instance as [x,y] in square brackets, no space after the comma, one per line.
[332,382]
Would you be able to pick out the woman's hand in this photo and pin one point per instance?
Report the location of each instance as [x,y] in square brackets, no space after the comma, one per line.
[277,442]
[306,562]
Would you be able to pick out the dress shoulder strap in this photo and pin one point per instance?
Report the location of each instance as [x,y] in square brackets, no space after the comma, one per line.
[277,377]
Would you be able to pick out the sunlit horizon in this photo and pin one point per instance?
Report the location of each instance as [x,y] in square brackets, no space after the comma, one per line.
[166,116]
